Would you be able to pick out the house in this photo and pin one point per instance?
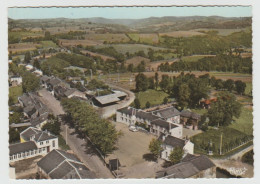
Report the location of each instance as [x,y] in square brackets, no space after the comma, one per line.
[16,80]
[155,124]
[105,100]
[190,119]
[74,93]
[59,164]
[29,67]
[170,114]
[53,82]
[205,103]
[191,166]
[171,142]
[44,81]
[39,121]
[37,72]
[33,142]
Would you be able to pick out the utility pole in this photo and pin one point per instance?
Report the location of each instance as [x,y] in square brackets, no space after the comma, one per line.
[220,145]
[66,134]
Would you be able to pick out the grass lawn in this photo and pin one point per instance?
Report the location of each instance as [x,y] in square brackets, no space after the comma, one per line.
[48,44]
[199,111]
[192,58]
[15,92]
[245,122]
[201,141]
[248,88]
[62,144]
[153,96]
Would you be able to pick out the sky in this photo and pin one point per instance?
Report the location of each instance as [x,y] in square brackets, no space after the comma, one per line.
[126,12]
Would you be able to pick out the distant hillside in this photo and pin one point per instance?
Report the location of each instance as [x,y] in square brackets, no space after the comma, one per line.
[152,24]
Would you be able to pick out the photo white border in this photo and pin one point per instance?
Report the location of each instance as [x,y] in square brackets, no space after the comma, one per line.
[4,4]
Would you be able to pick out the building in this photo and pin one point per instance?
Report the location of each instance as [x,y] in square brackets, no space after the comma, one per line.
[16,80]
[191,166]
[29,67]
[170,114]
[34,142]
[74,93]
[190,119]
[37,72]
[59,164]
[170,143]
[206,103]
[154,123]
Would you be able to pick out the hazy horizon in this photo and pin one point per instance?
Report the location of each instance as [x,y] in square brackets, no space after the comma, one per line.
[127,12]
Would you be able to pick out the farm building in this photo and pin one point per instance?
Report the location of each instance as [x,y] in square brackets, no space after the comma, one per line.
[190,119]
[59,164]
[191,166]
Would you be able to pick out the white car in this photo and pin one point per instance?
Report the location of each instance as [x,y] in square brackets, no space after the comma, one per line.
[133,129]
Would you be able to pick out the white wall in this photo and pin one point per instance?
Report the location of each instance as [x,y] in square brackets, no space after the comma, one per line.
[177,131]
[189,148]
[48,143]
[30,154]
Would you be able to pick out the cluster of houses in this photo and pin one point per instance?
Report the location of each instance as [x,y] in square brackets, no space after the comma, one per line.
[167,124]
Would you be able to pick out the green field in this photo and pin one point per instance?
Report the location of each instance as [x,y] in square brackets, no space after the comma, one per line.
[153,96]
[48,44]
[24,34]
[249,88]
[15,92]
[229,137]
[192,58]
[131,48]
[165,55]
[245,122]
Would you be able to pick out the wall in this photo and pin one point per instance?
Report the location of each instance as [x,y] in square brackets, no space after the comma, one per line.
[189,147]
[177,131]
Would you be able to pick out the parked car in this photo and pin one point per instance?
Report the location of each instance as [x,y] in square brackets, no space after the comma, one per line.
[133,129]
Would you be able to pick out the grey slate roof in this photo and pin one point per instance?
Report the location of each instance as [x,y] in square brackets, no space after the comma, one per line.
[38,120]
[187,168]
[163,123]
[27,133]
[139,113]
[70,91]
[55,81]
[168,112]
[44,78]
[189,114]
[21,147]
[174,141]
[106,99]
[59,164]
[42,136]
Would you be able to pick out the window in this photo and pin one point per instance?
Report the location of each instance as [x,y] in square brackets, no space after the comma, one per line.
[23,155]
[40,150]
[53,143]
[43,149]
[166,154]
[11,158]
[41,143]
[28,153]
[31,152]
[35,152]
[19,155]
[47,142]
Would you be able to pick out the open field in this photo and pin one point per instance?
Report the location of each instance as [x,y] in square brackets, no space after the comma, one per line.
[153,96]
[181,33]
[224,32]
[195,58]
[137,60]
[108,37]
[146,38]
[64,42]
[131,48]
[214,135]
[57,30]
[15,92]
[131,146]
[154,65]
[22,47]
[48,44]
[25,34]
[104,57]
[249,88]
[245,122]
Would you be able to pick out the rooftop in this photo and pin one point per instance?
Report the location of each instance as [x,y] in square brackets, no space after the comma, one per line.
[21,147]
[106,99]
[59,164]
[167,112]
[174,141]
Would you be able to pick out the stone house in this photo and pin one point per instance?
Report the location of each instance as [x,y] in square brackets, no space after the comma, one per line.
[190,119]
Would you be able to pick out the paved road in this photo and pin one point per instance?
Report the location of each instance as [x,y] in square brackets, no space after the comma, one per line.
[110,110]
[238,156]
[77,144]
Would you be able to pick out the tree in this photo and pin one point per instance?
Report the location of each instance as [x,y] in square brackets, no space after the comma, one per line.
[14,135]
[30,82]
[16,117]
[176,155]
[229,85]
[141,82]
[130,67]
[184,95]
[52,125]
[155,147]
[165,100]
[27,57]
[147,105]
[156,77]
[36,64]
[151,83]
[165,82]
[240,87]
[224,109]
[137,103]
